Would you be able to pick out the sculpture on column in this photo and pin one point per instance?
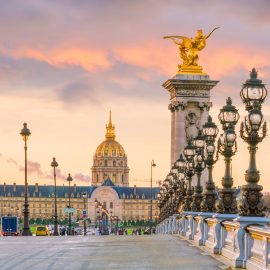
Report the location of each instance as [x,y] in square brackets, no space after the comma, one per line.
[189,49]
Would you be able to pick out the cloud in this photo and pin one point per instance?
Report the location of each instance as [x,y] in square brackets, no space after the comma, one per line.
[34,168]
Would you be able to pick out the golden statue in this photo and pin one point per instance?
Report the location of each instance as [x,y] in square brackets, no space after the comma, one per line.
[188,49]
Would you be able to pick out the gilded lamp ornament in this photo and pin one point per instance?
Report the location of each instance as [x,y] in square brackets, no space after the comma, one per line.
[189,51]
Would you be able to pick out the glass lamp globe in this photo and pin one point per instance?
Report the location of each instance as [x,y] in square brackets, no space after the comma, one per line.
[229,137]
[228,114]
[255,119]
[199,141]
[181,162]
[189,150]
[210,129]
[253,90]
[210,149]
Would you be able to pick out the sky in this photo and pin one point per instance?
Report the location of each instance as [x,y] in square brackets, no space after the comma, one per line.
[65,64]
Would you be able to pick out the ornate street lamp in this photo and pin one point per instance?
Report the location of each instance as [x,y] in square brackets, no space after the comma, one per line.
[25,133]
[210,131]
[153,164]
[228,114]
[227,147]
[84,195]
[253,90]
[54,164]
[69,179]
[189,152]
[199,166]
[181,185]
[253,131]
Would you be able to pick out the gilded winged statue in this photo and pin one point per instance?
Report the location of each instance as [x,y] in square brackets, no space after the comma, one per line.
[189,47]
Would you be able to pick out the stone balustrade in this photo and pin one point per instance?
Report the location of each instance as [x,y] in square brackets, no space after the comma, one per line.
[246,247]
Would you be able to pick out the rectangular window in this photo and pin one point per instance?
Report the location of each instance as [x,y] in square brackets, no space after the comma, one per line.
[104,205]
[111,205]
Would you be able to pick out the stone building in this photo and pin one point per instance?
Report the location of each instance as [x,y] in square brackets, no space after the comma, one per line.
[41,200]
[127,203]
[110,160]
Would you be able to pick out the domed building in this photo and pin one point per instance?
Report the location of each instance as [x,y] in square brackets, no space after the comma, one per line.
[110,160]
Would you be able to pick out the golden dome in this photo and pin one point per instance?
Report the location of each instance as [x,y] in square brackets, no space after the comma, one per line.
[110,147]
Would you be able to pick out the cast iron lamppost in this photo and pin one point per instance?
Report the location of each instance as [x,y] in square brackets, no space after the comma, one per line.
[210,131]
[189,152]
[84,195]
[181,187]
[153,164]
[252,131]
[227,147]
[199,164]
[69,179]
[25,133]
[54,164]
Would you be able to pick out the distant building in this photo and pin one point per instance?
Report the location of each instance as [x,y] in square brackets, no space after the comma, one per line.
[110,160]
[126,203]
[110,187]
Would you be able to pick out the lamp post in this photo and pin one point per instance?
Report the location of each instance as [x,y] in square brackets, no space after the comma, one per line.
[227,147]
[69,179]
[153,164]
[54,164]
[210,131]
[199,166]
[252,131]
[182,177]
[25,133]
[84,195]
[189,152]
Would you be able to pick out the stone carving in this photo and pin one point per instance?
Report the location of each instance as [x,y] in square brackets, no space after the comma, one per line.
[191,125]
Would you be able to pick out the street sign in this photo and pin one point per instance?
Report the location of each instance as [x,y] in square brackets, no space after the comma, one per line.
[84,212]
[69,210]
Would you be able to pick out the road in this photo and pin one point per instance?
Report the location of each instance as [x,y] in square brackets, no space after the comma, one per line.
[149,252]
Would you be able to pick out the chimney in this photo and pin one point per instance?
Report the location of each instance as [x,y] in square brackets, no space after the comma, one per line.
[14,187]
[36,187]
[5,187]
[135,190]
[75,188]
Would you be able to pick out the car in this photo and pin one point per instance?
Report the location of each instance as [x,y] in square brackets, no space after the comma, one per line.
[42,231]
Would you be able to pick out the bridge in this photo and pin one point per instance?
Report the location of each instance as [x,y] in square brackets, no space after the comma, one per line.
[143,252]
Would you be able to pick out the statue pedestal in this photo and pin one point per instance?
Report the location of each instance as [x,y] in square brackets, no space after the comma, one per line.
[189,106]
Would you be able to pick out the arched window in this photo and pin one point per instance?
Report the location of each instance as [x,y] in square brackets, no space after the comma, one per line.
[97,177]
[114,163]
[106,163]
[122,178]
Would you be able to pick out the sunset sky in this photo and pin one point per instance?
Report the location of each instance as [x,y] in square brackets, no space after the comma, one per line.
[65,64]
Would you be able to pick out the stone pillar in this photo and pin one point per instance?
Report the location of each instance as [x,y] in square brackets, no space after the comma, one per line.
[189,106]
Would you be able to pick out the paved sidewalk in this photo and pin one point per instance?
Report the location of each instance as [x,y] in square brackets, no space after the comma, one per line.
[148,252]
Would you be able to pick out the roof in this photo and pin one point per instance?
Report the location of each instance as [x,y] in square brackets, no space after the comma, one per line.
[108,182]
[76,191]
[44,191]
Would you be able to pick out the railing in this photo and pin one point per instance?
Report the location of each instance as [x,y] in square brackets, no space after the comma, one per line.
[245,246]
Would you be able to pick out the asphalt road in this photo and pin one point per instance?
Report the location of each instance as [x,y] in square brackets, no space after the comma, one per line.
[102,252]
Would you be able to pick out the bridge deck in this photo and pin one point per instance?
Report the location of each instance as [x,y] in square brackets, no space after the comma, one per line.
[104,252]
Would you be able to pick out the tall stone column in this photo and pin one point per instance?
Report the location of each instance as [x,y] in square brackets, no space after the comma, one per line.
[189,106]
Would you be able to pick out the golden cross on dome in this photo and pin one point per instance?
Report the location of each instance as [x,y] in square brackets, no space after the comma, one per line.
[110,134]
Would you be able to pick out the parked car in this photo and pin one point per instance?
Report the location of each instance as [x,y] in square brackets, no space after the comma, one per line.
[42,231]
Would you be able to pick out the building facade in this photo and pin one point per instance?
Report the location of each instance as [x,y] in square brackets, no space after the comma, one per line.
[41,200]
[126,203]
